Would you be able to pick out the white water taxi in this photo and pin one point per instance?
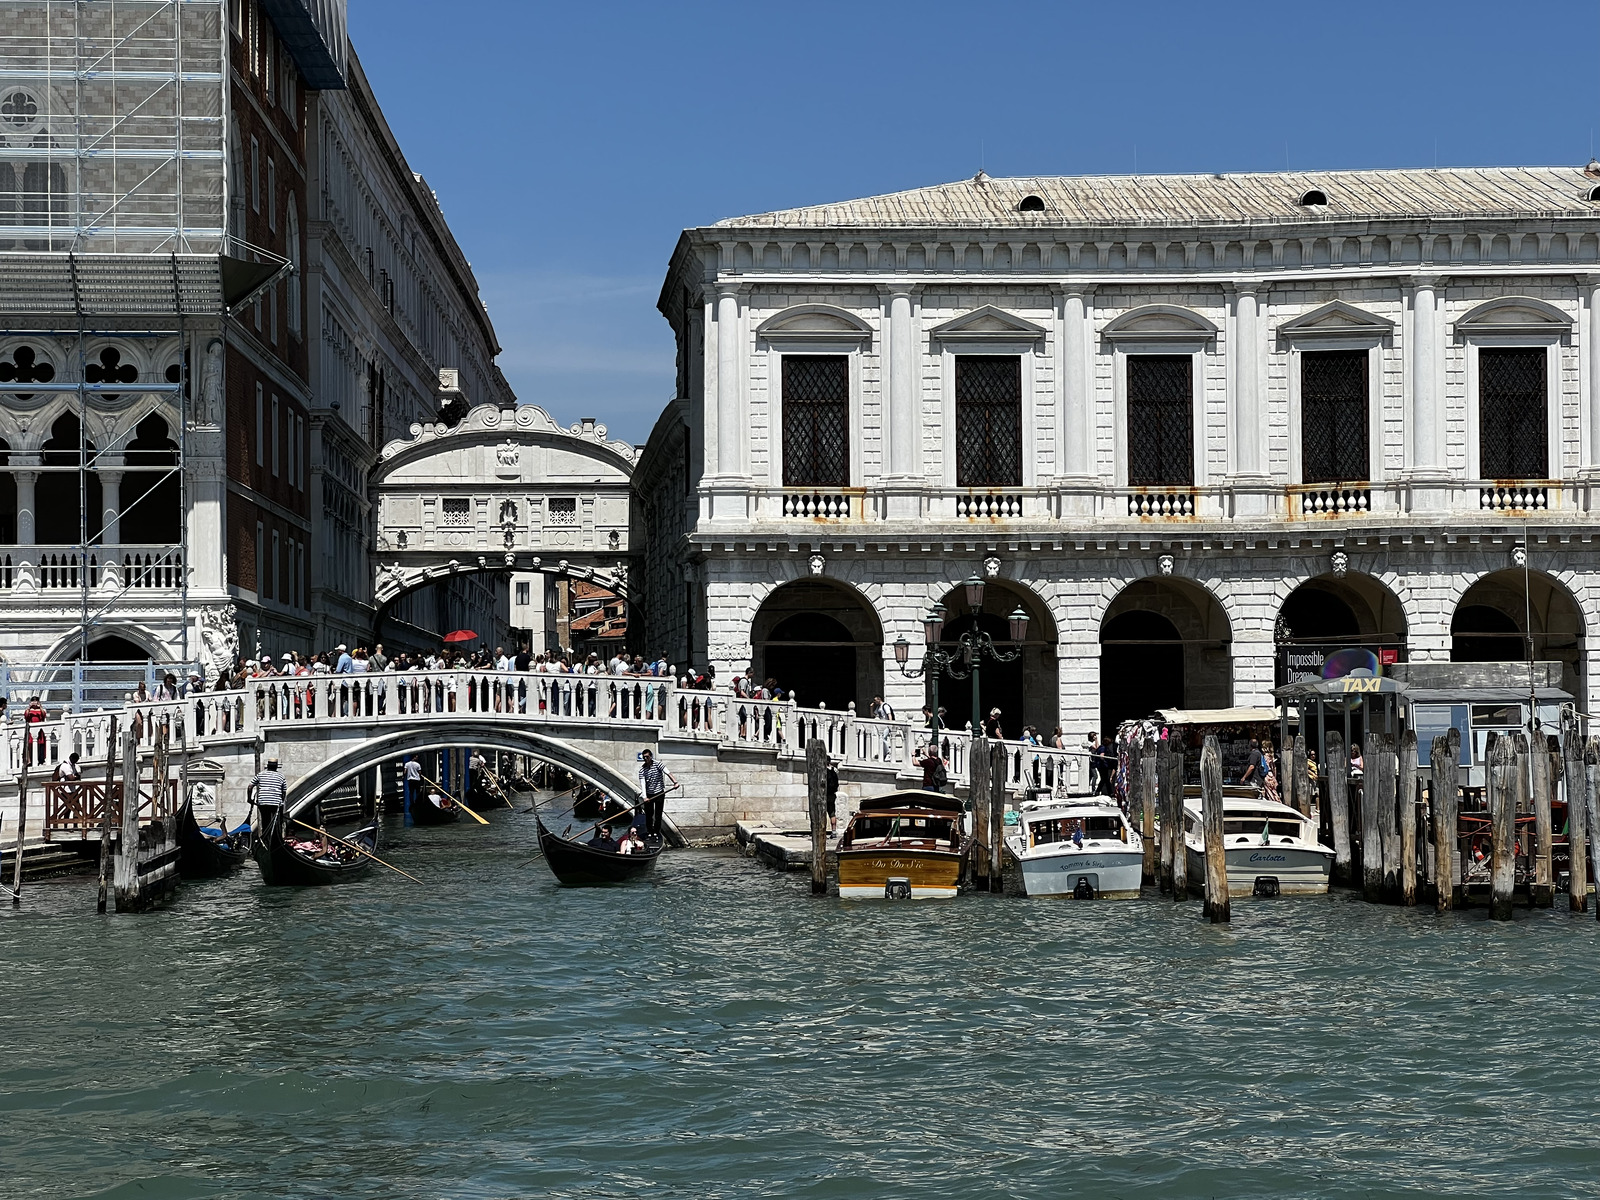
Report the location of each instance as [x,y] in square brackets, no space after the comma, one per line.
[1270,848]
[1081,848]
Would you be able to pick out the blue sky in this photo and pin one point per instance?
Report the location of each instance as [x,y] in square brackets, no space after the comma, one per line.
[570,143]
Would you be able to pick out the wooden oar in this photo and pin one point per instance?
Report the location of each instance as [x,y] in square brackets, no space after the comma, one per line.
[458,803]
[354,847]
[612,818]
[554,796]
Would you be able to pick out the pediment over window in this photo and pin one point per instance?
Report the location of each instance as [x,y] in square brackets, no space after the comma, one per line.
[814,323]
[1515,315]
[1336,319]
[987,324]
[1160,323]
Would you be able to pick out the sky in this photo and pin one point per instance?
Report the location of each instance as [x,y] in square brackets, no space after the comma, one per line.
[570,144]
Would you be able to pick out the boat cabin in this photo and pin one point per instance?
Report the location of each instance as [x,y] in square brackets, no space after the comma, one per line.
[1104,827]
[909,820]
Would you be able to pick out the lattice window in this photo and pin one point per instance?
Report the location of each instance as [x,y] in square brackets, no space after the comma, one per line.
[1160,420]
[988,420]
[457,512]
[563,510]
[816,421]
[1513,438]
[1333,417]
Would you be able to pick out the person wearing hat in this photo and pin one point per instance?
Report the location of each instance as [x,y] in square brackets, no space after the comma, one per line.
[346,665]
[266,791]
[654,780]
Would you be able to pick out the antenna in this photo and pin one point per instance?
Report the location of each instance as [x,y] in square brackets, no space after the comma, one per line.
[1527,617]
[1136,158]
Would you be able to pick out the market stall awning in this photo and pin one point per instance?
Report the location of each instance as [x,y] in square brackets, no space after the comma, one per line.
[1217,716]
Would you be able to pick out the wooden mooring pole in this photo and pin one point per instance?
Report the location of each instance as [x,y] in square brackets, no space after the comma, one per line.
[1406,798]
[1591,804]
[1503,771]
[1442,794]
[28,745]
[1217,906]
[1303,798]
[1387,800]
[817,797]
[978,801]
[105,812]
[1164,799]
[1180,848]
[997,817]
[1337,769]
[1147,798]
[1371,830]
[1541,773]
[127,863]
[1573,781]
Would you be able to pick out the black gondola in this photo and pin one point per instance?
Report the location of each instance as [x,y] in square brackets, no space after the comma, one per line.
[203,855]
[426,811]
[282,864]
[578,865]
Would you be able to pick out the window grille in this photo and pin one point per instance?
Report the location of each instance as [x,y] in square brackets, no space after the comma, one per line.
[1513,439]
[1333,417]
[816,421]
[563,510]
[457,511]
[1160,420]
[988,420]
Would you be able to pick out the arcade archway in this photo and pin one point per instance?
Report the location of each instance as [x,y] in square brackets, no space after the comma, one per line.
[1025,690]
[1331,613]
[1507,614]
[819,639]
[1164,643]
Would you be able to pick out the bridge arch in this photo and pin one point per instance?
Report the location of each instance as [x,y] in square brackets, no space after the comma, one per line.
[451,733]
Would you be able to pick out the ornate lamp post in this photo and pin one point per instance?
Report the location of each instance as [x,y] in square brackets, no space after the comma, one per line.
[966,659]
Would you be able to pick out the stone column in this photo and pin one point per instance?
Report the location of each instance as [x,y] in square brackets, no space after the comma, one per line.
[1592,458]
[25,507]
[904,441]
[1427,394]
[730,420]
[1075,370]
[111,507]
[208,547]
[1247,422]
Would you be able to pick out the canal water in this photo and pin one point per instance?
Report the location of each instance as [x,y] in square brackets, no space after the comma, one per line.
[716,1032]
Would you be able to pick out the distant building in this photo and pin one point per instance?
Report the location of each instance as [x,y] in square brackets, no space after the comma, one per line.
[1189,425]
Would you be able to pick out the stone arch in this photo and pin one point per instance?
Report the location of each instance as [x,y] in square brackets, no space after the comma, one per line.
[1026,691]
[1490,623]
[151,644]
[814,322]
[821,639]
[1159,322]
[1330,612]
[150,497]
[1139,656]
[309,787]
[59,506]
[1514,315]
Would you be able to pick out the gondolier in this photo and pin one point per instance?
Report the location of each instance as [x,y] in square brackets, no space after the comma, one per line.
[266,791]
[654,781]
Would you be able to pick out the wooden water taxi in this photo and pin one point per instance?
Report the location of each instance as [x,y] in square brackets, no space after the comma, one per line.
[904,846]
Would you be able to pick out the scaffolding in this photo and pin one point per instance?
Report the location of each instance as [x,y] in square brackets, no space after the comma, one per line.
[112,126]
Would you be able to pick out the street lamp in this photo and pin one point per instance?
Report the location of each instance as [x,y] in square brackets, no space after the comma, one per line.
[966,658]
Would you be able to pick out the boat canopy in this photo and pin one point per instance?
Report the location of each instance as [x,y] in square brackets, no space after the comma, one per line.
[1217,716]
[914,798]
[1340,689]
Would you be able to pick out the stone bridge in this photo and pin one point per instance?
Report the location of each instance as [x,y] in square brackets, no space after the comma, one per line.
[737,759]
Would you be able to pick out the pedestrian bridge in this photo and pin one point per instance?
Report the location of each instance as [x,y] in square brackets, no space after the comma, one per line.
[737,759]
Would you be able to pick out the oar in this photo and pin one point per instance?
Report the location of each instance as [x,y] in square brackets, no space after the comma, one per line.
[354,847]
[612,818]
[459,804]
[554,796]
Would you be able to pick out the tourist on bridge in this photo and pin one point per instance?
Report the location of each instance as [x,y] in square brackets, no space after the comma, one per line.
[266,791]
[655,781]
[934,774]
[346,664]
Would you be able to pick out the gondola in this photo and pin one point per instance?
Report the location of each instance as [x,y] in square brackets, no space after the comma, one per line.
[283,864]
[425,810]
[578,865]
[208,854]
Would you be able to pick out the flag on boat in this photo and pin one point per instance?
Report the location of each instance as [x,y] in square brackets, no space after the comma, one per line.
[1265,840]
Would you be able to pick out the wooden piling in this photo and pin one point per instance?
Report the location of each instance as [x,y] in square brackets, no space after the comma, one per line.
[127,862]
[28,745]
[1163,800]
[1302,777]
[1180,848]
[1591,806]
[1337,769]
[105,812]
[1442,800]
[997,817]
[1387,799]
[978,802]
[1503,771]
[1371,832]
[1147,827]
[1406,800]
[817,798]
[1542,889]
[1573,781]
[1218,908]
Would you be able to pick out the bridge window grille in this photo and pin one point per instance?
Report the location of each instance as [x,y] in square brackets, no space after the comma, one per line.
[563,510]
[1160,420]
[457,512]
[816,421]
[1513,442]
[988,420]
[1333,417]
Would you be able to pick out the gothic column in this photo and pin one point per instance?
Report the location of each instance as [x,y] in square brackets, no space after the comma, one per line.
[25,481]
[111,503]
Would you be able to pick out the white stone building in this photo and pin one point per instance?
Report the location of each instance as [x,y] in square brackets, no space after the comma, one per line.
[1188,424]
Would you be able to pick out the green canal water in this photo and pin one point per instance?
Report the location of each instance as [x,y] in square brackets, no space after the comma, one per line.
[717,1032]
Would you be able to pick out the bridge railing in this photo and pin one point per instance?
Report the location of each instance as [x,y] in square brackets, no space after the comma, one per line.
[43,745]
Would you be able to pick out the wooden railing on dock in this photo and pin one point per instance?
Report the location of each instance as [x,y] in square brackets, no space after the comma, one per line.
[74,808]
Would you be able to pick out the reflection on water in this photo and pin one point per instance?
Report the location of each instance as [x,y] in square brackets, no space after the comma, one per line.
[715,1031]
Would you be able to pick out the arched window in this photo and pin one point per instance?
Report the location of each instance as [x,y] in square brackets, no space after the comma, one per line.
[1316,196]
[1031,204]
[150,492]
[110,367]
[26,366]
[58,507]
[291,225]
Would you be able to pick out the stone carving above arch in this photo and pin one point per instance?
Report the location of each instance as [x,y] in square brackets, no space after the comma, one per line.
[1514,315]
[489,424]
[814,323]
[1159,323]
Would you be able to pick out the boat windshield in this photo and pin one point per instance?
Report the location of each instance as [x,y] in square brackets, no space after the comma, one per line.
[899,829]
[1256,824]
[1061,829]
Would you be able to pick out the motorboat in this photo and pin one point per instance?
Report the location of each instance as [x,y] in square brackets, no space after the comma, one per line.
[1082,848]
[1271,849]
[903,846]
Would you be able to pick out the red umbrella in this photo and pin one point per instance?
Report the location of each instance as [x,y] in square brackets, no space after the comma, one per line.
[461,635]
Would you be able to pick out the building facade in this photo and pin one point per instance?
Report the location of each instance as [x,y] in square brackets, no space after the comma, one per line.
[1195,428]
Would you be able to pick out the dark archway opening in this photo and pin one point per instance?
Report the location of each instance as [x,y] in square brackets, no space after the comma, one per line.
[8,498]
[1141,667]
[151,498]
[1492,624]
[820,641]
[1025,690]
[817,655]
[59,505]
[1480,633]
[1328,614]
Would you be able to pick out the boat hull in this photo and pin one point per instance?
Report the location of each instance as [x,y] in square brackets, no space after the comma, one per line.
[1300,871]
[282,866]
[1111,874]
[426,812]
[865,874]
[202,857]
[577,865]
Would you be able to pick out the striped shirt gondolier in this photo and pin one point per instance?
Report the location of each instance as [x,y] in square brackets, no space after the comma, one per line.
[269,789]
[653,776]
